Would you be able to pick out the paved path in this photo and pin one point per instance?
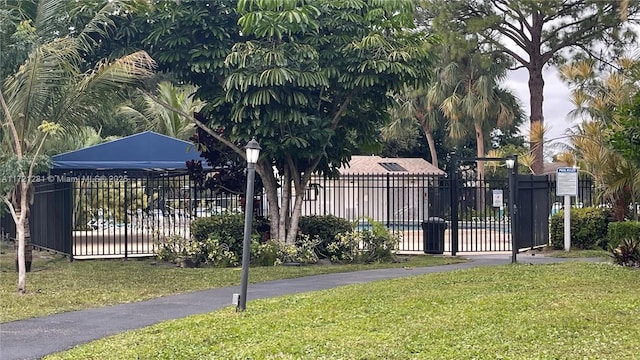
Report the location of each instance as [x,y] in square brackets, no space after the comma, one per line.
[34,338]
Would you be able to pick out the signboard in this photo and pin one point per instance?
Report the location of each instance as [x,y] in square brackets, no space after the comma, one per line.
[498,198]
[567,182]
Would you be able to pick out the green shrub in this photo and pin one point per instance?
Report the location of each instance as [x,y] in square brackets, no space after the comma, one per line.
[627,253]
[618,231]
[171,248]
[215,241]
[194,253]
[365,246]
[227,228]
[273,252]
[216,253]
[588,228]
[324,227]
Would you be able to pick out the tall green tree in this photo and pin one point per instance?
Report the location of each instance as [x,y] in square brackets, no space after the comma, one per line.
[468,93]
[539,33]
[311,81]
[315,84]
[624,134]
[49,91]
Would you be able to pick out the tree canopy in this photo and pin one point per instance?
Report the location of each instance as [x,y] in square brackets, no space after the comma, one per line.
[538,33]
[625,133]
[311,81]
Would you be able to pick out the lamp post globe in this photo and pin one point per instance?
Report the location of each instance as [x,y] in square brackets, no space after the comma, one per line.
[253,151]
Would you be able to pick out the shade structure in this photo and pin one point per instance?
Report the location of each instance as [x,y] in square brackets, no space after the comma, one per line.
[146,151]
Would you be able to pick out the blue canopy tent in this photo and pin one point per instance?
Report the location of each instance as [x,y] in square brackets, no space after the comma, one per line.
[120,198]
[146,151]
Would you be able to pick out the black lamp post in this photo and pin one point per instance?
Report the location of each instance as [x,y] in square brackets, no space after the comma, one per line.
[512,165]
[253,152]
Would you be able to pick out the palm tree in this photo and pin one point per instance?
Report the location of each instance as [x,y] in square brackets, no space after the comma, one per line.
[468,94]
[158,117]
[617,179]
[597,97]
[411,106]
[50,91]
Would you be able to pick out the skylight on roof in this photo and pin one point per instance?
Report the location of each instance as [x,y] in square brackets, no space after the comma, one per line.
[392,166]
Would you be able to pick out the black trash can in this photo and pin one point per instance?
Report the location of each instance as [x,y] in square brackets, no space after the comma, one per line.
[433,235]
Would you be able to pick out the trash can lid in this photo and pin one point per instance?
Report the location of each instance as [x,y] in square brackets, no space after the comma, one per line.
[435,219]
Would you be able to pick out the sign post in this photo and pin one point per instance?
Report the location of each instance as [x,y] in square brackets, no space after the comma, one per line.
[567,186]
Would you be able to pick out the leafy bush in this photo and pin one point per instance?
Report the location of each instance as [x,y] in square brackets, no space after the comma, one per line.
[325,228]
[194,253]
[273,252]
[227,228]
[627,253]
[617,231]
[172,247]
[365,246]
[216,253]
[215,241]
[588,228]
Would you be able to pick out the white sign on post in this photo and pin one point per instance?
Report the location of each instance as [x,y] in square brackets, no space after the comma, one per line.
[567,186]
[567,182]
[498,198]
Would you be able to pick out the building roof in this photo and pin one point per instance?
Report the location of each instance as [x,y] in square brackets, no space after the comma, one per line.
[376,165]
[552,168]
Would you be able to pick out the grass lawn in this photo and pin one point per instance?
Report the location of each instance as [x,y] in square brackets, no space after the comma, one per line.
[576,253]
[56,285]
[573,310]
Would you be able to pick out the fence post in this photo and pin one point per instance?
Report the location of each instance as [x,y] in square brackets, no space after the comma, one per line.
[126,232]
[388,201]
[453,175]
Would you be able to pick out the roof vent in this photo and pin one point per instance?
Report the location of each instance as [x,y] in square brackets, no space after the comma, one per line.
[392,166]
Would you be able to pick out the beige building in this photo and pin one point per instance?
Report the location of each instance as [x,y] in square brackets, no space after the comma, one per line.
[390,190]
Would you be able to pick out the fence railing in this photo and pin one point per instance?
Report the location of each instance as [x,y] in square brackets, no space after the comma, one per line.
[118,217]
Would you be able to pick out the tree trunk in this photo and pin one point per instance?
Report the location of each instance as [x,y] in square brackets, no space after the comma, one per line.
[295,215]
[270,184]
[22,213]
[536,91]
[430,140]
[28,249]
[432,148]
[285,205]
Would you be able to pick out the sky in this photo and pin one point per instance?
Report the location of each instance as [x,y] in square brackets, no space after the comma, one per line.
[556,106]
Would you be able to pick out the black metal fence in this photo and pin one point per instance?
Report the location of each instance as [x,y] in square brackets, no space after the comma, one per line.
[7,226]
[129,215]
[117,215]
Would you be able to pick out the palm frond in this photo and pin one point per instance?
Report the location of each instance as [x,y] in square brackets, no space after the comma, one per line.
[35,87]
[99,24]
[48,15]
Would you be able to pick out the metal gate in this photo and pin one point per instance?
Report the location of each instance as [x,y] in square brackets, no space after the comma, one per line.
[50,219]
[481,215]
[533,211]
[493,214]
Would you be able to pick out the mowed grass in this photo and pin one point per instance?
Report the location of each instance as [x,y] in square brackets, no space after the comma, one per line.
[56,285]
[574,310]
[577,253]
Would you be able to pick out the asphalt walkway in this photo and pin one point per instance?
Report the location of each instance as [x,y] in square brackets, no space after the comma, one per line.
[37,337]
